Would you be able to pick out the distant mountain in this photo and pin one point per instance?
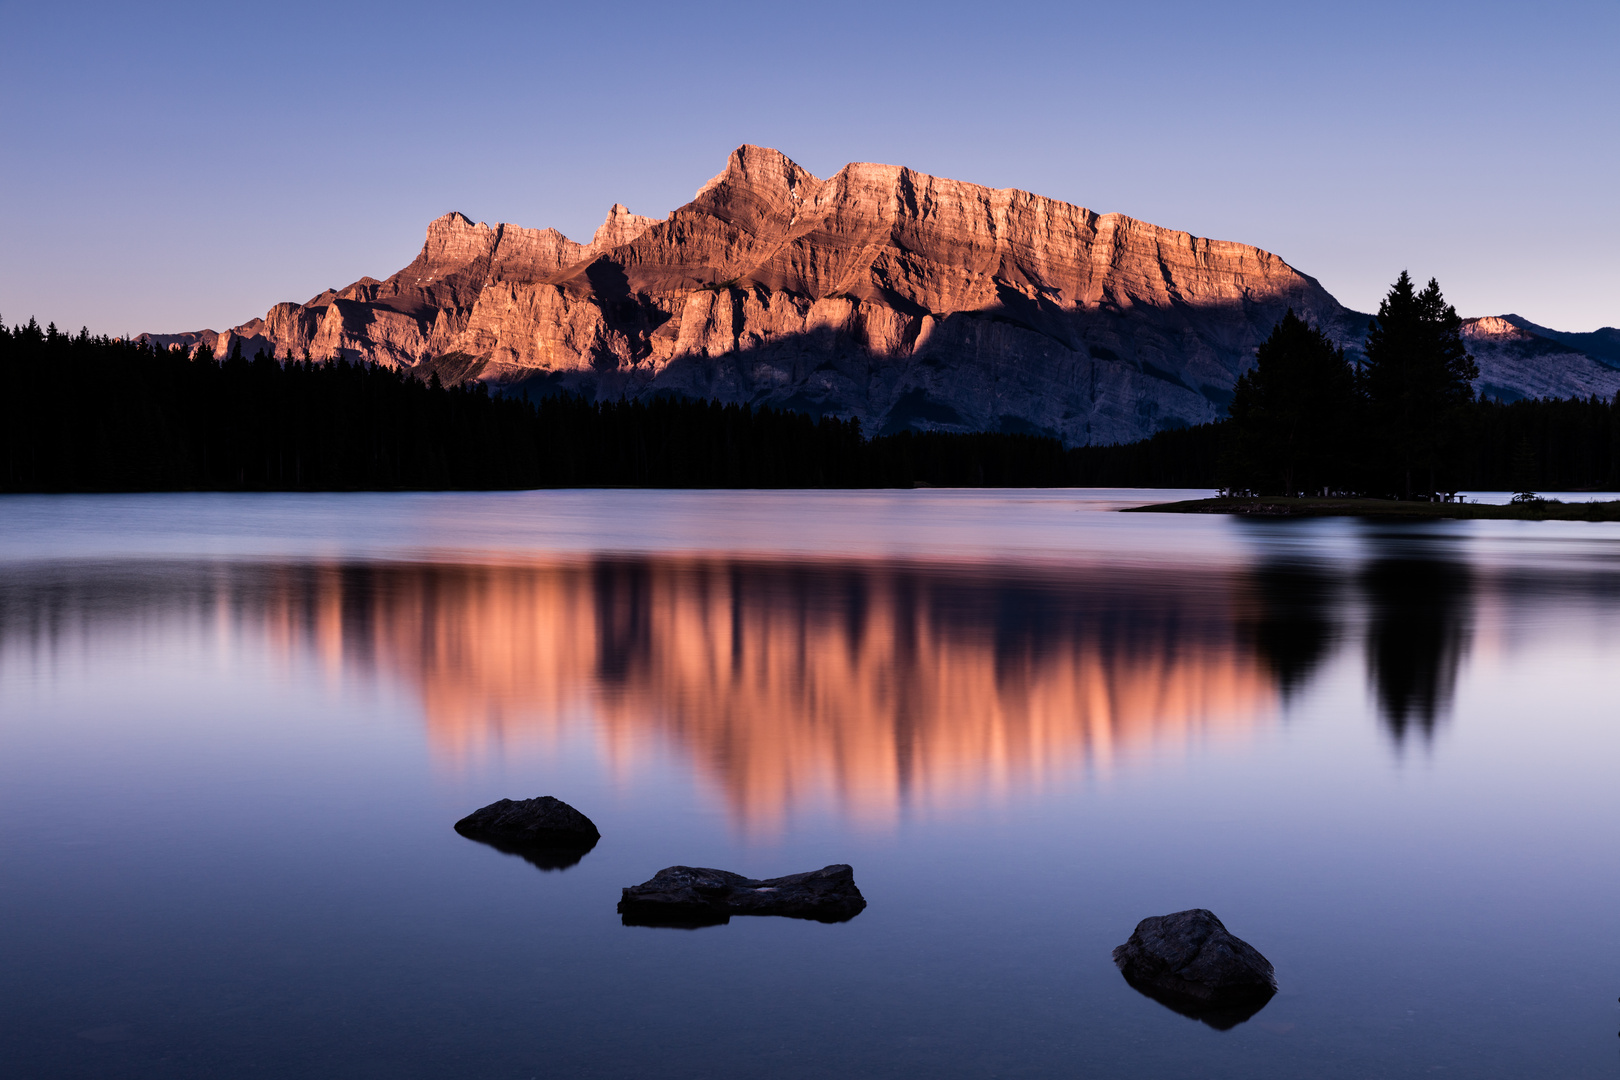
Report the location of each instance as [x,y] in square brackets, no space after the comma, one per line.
[1518,359]
[1602,345]
[903,299]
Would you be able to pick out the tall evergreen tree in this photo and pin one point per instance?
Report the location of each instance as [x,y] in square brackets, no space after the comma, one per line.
[1290,415]
[1417,377]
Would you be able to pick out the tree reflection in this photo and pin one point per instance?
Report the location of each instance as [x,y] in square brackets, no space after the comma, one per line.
[1289,621]
[1420,627]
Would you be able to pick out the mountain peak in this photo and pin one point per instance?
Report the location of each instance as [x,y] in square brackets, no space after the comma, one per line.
[620,227]
[760,167]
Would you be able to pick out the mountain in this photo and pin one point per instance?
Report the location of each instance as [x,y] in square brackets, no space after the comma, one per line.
[1518,359]
[903,299]
[1602,345]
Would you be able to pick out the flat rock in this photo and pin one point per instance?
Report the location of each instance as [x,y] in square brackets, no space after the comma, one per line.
[697,896]
[546,831]
[1189,962]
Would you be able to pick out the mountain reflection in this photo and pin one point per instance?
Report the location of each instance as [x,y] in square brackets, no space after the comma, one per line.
[870,686]
[1419,628]
[873,687]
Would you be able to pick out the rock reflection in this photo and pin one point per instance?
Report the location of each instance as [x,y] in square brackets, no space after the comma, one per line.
[555,857]
[1222,1017]
[1419,629]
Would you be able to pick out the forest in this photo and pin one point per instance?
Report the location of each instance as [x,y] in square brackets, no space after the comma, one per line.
[1403,420]
[87,413]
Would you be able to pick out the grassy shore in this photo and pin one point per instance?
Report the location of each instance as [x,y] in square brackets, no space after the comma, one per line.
[1389,509]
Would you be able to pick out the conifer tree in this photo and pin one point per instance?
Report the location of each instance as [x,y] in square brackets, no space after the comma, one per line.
[1417,377]
[1290,415]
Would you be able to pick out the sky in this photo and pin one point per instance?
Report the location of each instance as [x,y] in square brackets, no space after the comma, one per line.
[172,167]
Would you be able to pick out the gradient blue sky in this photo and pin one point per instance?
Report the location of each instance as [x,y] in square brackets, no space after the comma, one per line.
[171,167]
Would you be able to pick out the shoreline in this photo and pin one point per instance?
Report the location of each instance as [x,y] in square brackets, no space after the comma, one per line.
[1387,509]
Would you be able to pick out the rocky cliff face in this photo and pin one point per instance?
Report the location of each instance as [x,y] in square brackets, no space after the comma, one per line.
[903,299]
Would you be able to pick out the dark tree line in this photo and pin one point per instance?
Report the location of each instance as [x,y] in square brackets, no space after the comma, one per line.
[1546,445]
[1304,420]
[83,413]
[1185,457]
[1403,421]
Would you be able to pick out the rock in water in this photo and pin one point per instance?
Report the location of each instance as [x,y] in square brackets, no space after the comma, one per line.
[1189,962]
[695,896]
[546,831]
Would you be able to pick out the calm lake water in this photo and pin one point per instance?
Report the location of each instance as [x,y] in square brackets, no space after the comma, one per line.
[235,732]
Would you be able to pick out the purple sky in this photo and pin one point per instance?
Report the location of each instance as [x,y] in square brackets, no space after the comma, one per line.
[171,167]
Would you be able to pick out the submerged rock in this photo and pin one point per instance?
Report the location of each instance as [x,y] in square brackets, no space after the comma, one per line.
[546,831]
[696,896]
[1189,962]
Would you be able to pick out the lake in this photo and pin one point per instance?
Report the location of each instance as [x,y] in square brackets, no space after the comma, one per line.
[235,732]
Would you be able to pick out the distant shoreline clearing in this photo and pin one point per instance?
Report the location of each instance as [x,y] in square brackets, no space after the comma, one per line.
[1389,509]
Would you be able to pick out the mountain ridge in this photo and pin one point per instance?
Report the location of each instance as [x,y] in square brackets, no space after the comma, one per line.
[880,293]
[1518,359]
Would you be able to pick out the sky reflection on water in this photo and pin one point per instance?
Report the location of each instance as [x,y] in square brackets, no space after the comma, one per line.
[226,783]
